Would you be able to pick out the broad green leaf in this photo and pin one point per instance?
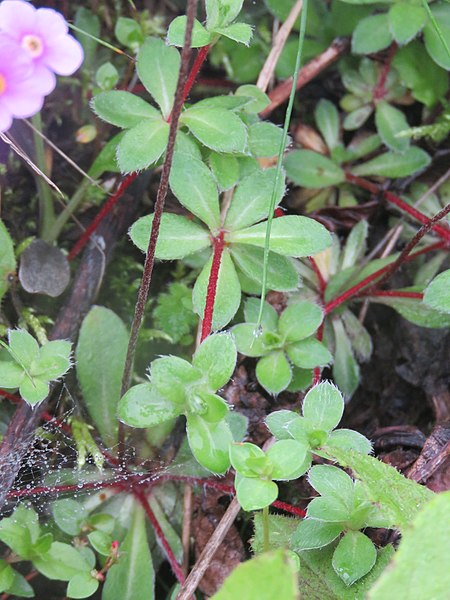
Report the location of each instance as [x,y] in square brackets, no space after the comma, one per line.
[143,406]
[101,542]
[248,459]
[354,557]
[129,33]
[400,497]
[225,169]
[345,367]
[281,529]
[264,139]
[158,66]
[20,587]
[132,577]
[20,531]
[34,390]
[123,109]
[228,292]
[100,353]
[194,186]
[371,34]
[267,576]
[327,119]
[69,515]
[24,348]
[142,145]
[238,32]
[406,20]
[390,121]
[107,76]
[282,275]
[288,459]
[274,372]
[309,353]
[171,375]
[323,406]
[216,407]
[106,160]
[347,439]
[290,235]
[82,585]
[312,170]
[11,374]
[427,81]
[329,509]
[186,144]
[437,294]
[209,443]
[248,342]
[53,361]
[356,118]
[419,569]
[216,359]
[391,164]
[62,562]
[7,259]
[416,311]
[177,30]
[218,129]
[6,576]
[269,318]
[178,237]
[278,423]
[220,13]
[299,321]
[252,197]
[355,246]
[433,43]
[314,534]
[259,100]
[358,335]
[254,494]
[328,480]
[89,24]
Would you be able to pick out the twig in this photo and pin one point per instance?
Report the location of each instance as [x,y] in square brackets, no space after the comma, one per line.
[187,520]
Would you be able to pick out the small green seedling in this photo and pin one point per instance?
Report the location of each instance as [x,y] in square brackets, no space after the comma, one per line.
[29,367]
[178,387]
[284,341]
[341,510]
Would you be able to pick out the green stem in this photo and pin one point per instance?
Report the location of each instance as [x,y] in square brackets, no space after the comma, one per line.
[46,208]
[265,522]
[69,210]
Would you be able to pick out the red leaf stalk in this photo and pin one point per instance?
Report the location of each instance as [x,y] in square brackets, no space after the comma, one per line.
[379,91]
[318,370]
[218,247]
[321,281]
[396,294]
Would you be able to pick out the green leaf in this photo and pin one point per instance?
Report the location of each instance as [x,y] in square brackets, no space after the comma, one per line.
[309,353]
[158,66]
[433,43]
[173,313]
[254,494]
[106,160]
[281,529]
[299,321]
[34,390]
[437,294]
[62,562]
[132,577]
[194,186]
[330,481]
[7,259]
[107,76]
[20,531]
[323,406]
[345,367]
[327,119]
[101,542]
[177,30]
[259,100]
[142,145]
[171,375]
[391,164]
[274,372]
[216,128]
[288,459]
[247,341]
[405,21]
[314,534]
[248,459]
[100,353]
[278,423]
[329,509]
[390,121]
[371,34]
[282,275]
[264,139]
[271,575]
[269,318]
[312,170]
[347,439]
[225,169]
[69,515]
[11,374]
[238,32]
[20,586]
[220,13]
[251,200]
[400,497]
[355,246]
[416,311]
[228,292]
[53,361]
[356,118]
[209,443]
[6,576]
[216,359]
[416,575]
[178,237]
[290,235]
[143,406]
[83,585]
[354,557]
[129,33]
[123,109]
[24,348]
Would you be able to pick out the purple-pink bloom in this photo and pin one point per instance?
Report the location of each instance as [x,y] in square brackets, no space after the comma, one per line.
[43,34]
[20,93]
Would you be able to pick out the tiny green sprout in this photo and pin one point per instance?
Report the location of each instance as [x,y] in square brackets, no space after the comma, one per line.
[323,407]
[341,510]
[179,387]
[256,470]
[30,368]
[284,341]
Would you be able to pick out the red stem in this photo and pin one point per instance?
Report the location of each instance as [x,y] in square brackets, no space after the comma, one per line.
[396,294]
[176,568]
[318,370]
[218,247]
[106,209]
[442,231]
[321,281]
[379,91]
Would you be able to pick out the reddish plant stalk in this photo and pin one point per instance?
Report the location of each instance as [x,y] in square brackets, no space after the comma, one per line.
[198,62]
[176,568]
[105,210]
[395,294]
[442,231]
[379,91]
[218,247]
[321,281]
[317,371]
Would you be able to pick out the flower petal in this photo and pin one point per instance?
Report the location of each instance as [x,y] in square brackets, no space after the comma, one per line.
[17,18]
[63,55]
[50,24]
[5,118]
[22,103]
[43,81]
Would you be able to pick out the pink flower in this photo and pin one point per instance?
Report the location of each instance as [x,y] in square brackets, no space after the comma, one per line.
[43,34]
[20,93]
